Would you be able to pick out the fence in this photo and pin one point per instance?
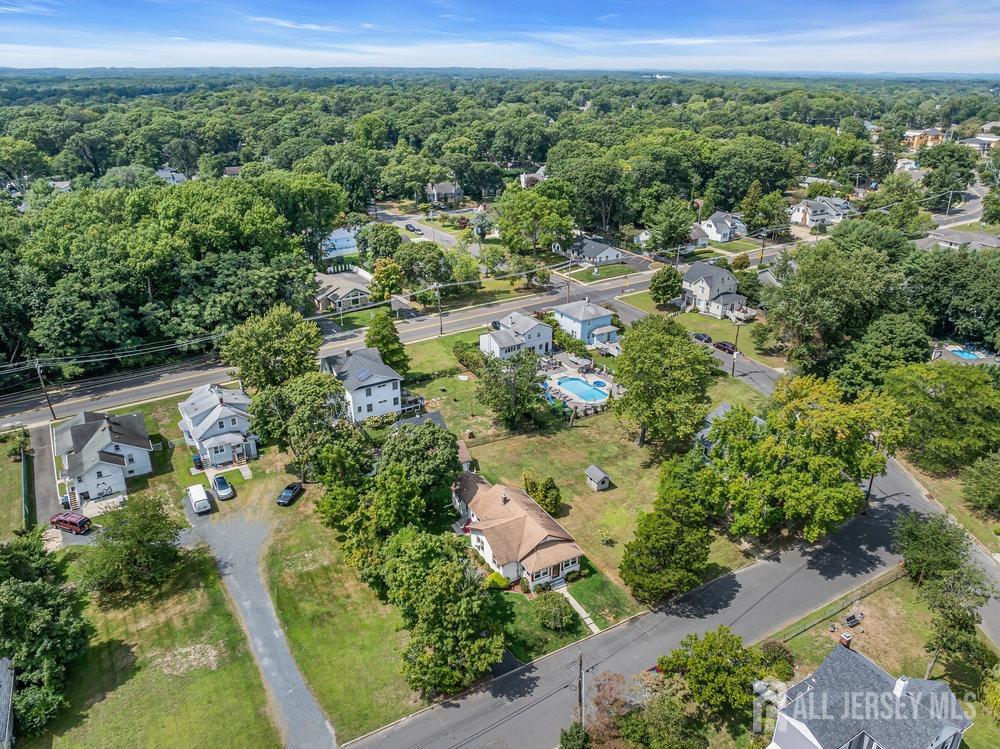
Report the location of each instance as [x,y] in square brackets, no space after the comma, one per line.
[843,603]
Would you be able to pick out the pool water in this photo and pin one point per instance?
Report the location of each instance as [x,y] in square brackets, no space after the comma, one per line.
[961,353]
[582,389]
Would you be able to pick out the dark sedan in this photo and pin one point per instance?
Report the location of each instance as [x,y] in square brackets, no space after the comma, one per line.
[725,347]
[703,337]
[289,494]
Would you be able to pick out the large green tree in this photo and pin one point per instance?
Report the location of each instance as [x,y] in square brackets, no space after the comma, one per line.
[429,455]
[270,349]
[382,335]
[666,378]
[21,162]
[528,220]
[511,387]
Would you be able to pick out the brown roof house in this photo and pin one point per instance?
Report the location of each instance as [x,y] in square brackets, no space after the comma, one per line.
[515,536]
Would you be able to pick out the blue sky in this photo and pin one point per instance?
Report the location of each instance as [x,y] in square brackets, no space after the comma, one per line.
[819,35]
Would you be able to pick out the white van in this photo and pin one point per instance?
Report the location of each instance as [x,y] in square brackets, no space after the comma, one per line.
[199,499]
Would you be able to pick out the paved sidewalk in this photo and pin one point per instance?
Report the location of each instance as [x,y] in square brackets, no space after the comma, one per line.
[564,590]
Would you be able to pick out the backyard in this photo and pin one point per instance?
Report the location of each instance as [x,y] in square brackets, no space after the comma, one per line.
[174,670]
[720,330]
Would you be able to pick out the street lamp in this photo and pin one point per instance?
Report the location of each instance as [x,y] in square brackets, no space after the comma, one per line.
[736,343]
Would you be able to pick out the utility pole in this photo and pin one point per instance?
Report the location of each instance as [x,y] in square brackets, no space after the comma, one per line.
[38,369]
[732,373]
[948,209]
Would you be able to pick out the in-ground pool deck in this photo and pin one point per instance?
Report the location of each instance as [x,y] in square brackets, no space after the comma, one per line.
[563,368]
[950,353]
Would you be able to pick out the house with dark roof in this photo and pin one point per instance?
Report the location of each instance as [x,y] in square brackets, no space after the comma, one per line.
[953,239]
[516,332]
[100,452]
[982,143]
[512,534]
[588,322]
[850,702]
[529,180]
[371,387]
[216,422]
[341,292]
[712,290]
[595,253]
[443,192]
[822,211]
[723,227]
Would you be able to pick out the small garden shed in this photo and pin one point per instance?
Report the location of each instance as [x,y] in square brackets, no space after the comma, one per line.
[597,479]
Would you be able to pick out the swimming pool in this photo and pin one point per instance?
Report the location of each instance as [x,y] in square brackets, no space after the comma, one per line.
[582,389]
[961,353]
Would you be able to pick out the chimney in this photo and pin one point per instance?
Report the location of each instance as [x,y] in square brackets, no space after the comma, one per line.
[900,687]
[504,499]
[347,352]
[845,640]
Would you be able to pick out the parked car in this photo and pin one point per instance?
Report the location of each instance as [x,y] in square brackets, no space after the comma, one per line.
[74,522]
[726,346]
[223,489]
[289,494]
[703,337]
[411,227]
[196,461]
[198,497]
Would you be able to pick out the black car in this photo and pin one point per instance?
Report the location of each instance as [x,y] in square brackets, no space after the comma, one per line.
[725,346]
[289,494]
[411,227]
[703,337]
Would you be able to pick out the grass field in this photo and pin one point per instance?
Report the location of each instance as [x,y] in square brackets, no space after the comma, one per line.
[614,270]
[344,639]
[736,245]
[435,354]
[705,254]
[493,290]
[564,454]
[171,671]
[977,227]
[948,491]
[604,601]
[526,638]
[896,626]
[11,513]
[440,226]
[359,318]
[720,330]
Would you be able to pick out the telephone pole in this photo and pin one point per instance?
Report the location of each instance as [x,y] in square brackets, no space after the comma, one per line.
[732,372]
[38,369]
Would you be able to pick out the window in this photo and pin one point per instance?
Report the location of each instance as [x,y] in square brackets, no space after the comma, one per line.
[100,474]
[539,575]
[493,561]
[395,385]
[368,391]
[369,408]
[130,472]
[359,409]
[567,563]
[130,458]
[222,424]
[118,448]
[233,421]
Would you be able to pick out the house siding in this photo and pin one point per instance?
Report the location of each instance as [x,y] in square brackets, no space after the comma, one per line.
[377,399]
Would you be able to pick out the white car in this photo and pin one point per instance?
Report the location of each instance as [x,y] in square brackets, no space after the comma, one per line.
[198,498]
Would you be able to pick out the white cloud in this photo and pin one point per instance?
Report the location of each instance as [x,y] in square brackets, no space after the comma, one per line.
[286,24]
[26,7]
[608,17]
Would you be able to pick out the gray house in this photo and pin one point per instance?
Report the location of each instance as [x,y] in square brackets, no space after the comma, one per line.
[712,291]
[216,422]
[852,703]
[597,479]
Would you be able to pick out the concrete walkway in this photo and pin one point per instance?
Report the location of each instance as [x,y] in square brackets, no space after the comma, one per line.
[238,543]
[563,588]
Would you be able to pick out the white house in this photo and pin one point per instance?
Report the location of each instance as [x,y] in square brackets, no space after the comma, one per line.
[982,143]
[696,239]
[341,292]
[216,422]
[100,452]
[340,242]
[516,332]
[591,323]
[596,253]
[850,702]
[443,192]
[371,388]
[532,179]
[723,227]
[823,210]
[512,534]
[712,290]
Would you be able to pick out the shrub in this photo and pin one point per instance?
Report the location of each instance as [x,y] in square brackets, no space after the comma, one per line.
[605,536]
[981,484]
[468,355]
[777,659]
[741,262]
[572,576]
[525,586]
[496,581]
[574,736]
[991,691]
[554,611]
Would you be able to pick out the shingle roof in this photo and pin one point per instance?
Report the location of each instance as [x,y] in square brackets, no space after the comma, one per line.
[336,285]
[359,368]
[590,247]
[582,310]
[520,323]
[700,270]
[596,474]
[434,417]
[516,528]
[722,220]
[974,239]
[505,338]
[83,438]
[923,715]
[209,403]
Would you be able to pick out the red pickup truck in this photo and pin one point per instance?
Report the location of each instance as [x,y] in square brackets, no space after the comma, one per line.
[73,522]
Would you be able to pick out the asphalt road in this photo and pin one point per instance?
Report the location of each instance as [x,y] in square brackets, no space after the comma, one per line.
[970,210]
[237,543]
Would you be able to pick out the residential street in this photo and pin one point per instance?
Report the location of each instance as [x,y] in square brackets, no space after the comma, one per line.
[970,210]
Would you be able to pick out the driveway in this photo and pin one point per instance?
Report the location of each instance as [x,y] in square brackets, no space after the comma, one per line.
[43,474]
[237,542]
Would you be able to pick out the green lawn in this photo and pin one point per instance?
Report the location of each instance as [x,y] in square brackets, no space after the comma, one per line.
[526,638]
[359,318]
[613,270]
[456,400]
[493,290]
[565,453]
[737,245]
[174,670]
[604,601]
[977,227]
[706,254]
[896,626]
[435,354]
[11,513]
[344,639]
[440,226]
[720,330]
[948,491]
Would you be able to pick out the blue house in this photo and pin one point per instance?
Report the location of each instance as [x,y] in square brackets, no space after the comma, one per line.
[340,242]
[588,322]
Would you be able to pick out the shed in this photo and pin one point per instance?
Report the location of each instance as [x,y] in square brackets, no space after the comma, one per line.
[597,479]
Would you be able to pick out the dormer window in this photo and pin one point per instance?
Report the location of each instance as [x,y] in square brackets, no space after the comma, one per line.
[118,448]
[222,424]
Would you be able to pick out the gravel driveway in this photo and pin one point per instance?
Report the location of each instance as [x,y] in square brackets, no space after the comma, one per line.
[237,543]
